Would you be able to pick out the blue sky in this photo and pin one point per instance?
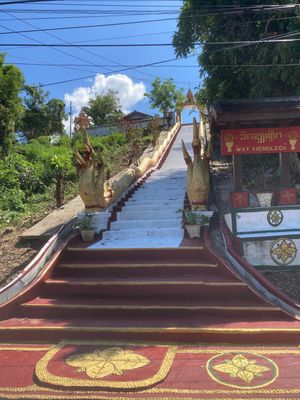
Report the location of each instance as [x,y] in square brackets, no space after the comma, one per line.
[87,65]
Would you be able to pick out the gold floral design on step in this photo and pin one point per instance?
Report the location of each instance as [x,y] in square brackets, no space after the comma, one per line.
[112,361]
[283,251]
[242,368]
[244,371]
[103,366]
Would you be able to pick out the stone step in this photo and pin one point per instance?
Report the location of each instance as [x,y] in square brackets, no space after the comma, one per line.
[140,243]
[162,188]
[143,234]
[160,196]
[148,204]
[144,224]
[137,214]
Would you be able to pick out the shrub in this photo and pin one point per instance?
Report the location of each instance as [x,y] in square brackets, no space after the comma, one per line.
[12,200]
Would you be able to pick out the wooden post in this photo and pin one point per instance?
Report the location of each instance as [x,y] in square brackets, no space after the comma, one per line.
[237,172]
[284,165]
[285,169]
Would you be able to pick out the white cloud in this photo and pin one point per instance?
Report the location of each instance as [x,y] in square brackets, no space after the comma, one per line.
[130,93]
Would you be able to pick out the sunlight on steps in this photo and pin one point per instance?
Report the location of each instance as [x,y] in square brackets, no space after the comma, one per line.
[150,219]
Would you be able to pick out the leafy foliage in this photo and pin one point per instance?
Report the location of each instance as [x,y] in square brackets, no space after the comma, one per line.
[84,222]
[164,95]
[105,109]
[191,217]
[11,82]
[41,117]
[225,69]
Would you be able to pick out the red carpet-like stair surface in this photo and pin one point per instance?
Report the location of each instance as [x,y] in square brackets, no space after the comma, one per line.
[184,294]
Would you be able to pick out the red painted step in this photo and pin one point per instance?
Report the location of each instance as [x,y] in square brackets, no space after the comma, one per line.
[224,330]
[180,255]
[145,294]
[142,270]
[172,287]
[144,308]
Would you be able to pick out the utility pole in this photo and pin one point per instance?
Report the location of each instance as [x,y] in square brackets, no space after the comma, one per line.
[70,113]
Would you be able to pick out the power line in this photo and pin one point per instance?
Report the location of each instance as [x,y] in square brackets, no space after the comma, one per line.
[155,66]
[87,51]
[41,43]
[115,72]
[91,26]
[48,1]
[246,42]
[72,55]
[3,3]
[83,49]
[129,22]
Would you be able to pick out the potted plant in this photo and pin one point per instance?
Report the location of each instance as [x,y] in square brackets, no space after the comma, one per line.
[193,221]
[83,224]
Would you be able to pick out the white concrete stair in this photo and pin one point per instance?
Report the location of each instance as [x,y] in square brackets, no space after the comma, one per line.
[144,224]
[138,214]
[150,218]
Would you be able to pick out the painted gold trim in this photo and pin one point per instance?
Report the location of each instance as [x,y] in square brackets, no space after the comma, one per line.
[224,331]
[45,376]
[13,348]
[35,388]
[144,283]
[113,250]
[238,350]
[133,397]
[152,307]
[188,348]
[139,265]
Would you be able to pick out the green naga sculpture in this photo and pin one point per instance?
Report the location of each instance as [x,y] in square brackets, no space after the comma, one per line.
[197,170]
[94,191]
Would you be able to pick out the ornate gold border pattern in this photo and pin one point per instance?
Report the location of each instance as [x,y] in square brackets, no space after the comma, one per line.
[44,376]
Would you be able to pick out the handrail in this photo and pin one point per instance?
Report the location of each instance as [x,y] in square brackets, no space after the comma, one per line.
[255,279]
[29,273]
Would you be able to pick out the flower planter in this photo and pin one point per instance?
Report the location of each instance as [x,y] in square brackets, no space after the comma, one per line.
[87,235]
[194,231]
[264,199]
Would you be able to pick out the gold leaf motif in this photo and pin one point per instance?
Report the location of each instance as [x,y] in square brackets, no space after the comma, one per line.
[112,361]
[240,361]
[283,251]
[241,367]
[228,368]
[245,375]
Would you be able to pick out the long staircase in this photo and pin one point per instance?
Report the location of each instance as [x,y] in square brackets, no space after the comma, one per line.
[150,217]
[142,281]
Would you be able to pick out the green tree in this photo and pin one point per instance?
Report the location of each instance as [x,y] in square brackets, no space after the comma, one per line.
[105,109]
[164,95]
[56,114]
[62,171]
[33,123]
[41,117]
[11,82]
[231,71]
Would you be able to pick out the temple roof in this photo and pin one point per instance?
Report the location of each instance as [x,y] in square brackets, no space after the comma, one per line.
[255,112]
[137,115]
